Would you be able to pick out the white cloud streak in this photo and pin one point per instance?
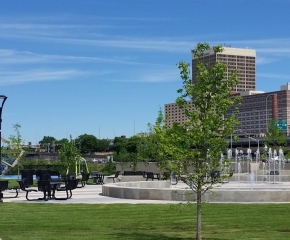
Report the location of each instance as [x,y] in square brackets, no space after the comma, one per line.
[12,78]
[8,56]
[274,76]
[162,76]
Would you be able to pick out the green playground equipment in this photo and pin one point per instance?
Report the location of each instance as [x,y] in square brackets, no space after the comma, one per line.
[80,167]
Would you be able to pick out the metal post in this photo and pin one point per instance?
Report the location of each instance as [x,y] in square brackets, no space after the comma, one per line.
[3,101]
[257,160]
[232,142]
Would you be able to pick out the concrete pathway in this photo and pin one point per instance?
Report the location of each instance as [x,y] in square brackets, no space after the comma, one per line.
[90,194]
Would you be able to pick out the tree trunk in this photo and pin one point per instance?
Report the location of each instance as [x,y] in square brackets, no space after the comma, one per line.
[198,212]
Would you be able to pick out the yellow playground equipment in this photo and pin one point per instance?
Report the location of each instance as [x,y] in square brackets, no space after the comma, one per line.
[80,167]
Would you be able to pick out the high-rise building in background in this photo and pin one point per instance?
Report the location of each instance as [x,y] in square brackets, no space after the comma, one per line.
[257,107]
[242,60]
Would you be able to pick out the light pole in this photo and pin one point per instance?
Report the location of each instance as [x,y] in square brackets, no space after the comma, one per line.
[231,142]
[267,110]
[3,97]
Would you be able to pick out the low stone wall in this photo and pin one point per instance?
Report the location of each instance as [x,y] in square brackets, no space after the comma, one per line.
[153,190]
[160,190]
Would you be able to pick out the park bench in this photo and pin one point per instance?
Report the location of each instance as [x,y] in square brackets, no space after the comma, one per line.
[27,190]
[115,176]
[152,176]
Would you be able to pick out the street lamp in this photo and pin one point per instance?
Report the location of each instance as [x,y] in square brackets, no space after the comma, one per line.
[3,97]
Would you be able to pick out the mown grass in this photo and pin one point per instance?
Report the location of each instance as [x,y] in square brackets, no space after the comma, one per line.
[21,221]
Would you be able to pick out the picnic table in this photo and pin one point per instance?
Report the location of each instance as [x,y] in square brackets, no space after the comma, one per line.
[4,187]
[98,178]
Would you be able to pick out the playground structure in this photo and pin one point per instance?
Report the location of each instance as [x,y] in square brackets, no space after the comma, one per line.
[80,166]
[10,163]
[7,162]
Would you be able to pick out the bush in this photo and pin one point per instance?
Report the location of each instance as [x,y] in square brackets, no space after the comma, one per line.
[109,168]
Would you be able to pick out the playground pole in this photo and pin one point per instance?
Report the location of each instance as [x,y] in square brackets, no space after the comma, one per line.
[3,101]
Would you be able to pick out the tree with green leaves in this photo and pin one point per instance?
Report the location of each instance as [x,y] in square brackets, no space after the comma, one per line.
[68,155]
[60,142]
[47,142]
[126,151]
[86,143]
[197,144]
[102,145]
[274,136]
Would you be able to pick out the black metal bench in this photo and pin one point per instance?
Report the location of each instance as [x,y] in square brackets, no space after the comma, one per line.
[134,173]
[115,176]
[129,173]
[27,190]
[84,180]
[152,176]
[69,186]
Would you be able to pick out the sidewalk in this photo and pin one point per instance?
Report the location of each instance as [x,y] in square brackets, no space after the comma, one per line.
[90,194]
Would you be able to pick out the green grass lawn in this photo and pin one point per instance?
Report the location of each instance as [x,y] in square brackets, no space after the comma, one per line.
[21,221]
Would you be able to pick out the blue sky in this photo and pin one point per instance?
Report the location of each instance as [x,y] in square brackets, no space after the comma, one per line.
[72,67]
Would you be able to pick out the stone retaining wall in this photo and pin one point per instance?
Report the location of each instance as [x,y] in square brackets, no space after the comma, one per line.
[160,190]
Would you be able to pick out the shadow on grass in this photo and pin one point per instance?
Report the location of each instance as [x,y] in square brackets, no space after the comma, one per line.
[155,236]
[2,237]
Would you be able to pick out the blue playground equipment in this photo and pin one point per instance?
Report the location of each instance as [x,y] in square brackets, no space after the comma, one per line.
[8,163]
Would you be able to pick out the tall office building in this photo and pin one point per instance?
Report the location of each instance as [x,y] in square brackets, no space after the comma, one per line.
[242,60]
[257,107]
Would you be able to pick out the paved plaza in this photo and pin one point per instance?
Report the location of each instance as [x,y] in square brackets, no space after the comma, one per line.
[90,194]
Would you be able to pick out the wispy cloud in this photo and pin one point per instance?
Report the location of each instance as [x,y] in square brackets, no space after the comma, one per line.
[261,60]
[131,43]
[8,56]
[274,76]
[154,76]
[20,77]
[164,76]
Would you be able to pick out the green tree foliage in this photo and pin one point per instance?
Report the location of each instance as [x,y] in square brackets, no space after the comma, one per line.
[126,150]
[86,143]
[102,145]
[47,142]
[120,144]
[68,155]
[61,142]
[274,136]
[197,144]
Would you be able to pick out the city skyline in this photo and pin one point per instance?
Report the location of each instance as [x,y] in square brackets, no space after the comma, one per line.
[106,67]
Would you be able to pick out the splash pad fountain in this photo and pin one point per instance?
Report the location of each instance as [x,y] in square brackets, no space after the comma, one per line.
[254,180]
[257,180]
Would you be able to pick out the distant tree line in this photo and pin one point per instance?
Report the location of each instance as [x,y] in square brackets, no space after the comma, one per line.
[85,143]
